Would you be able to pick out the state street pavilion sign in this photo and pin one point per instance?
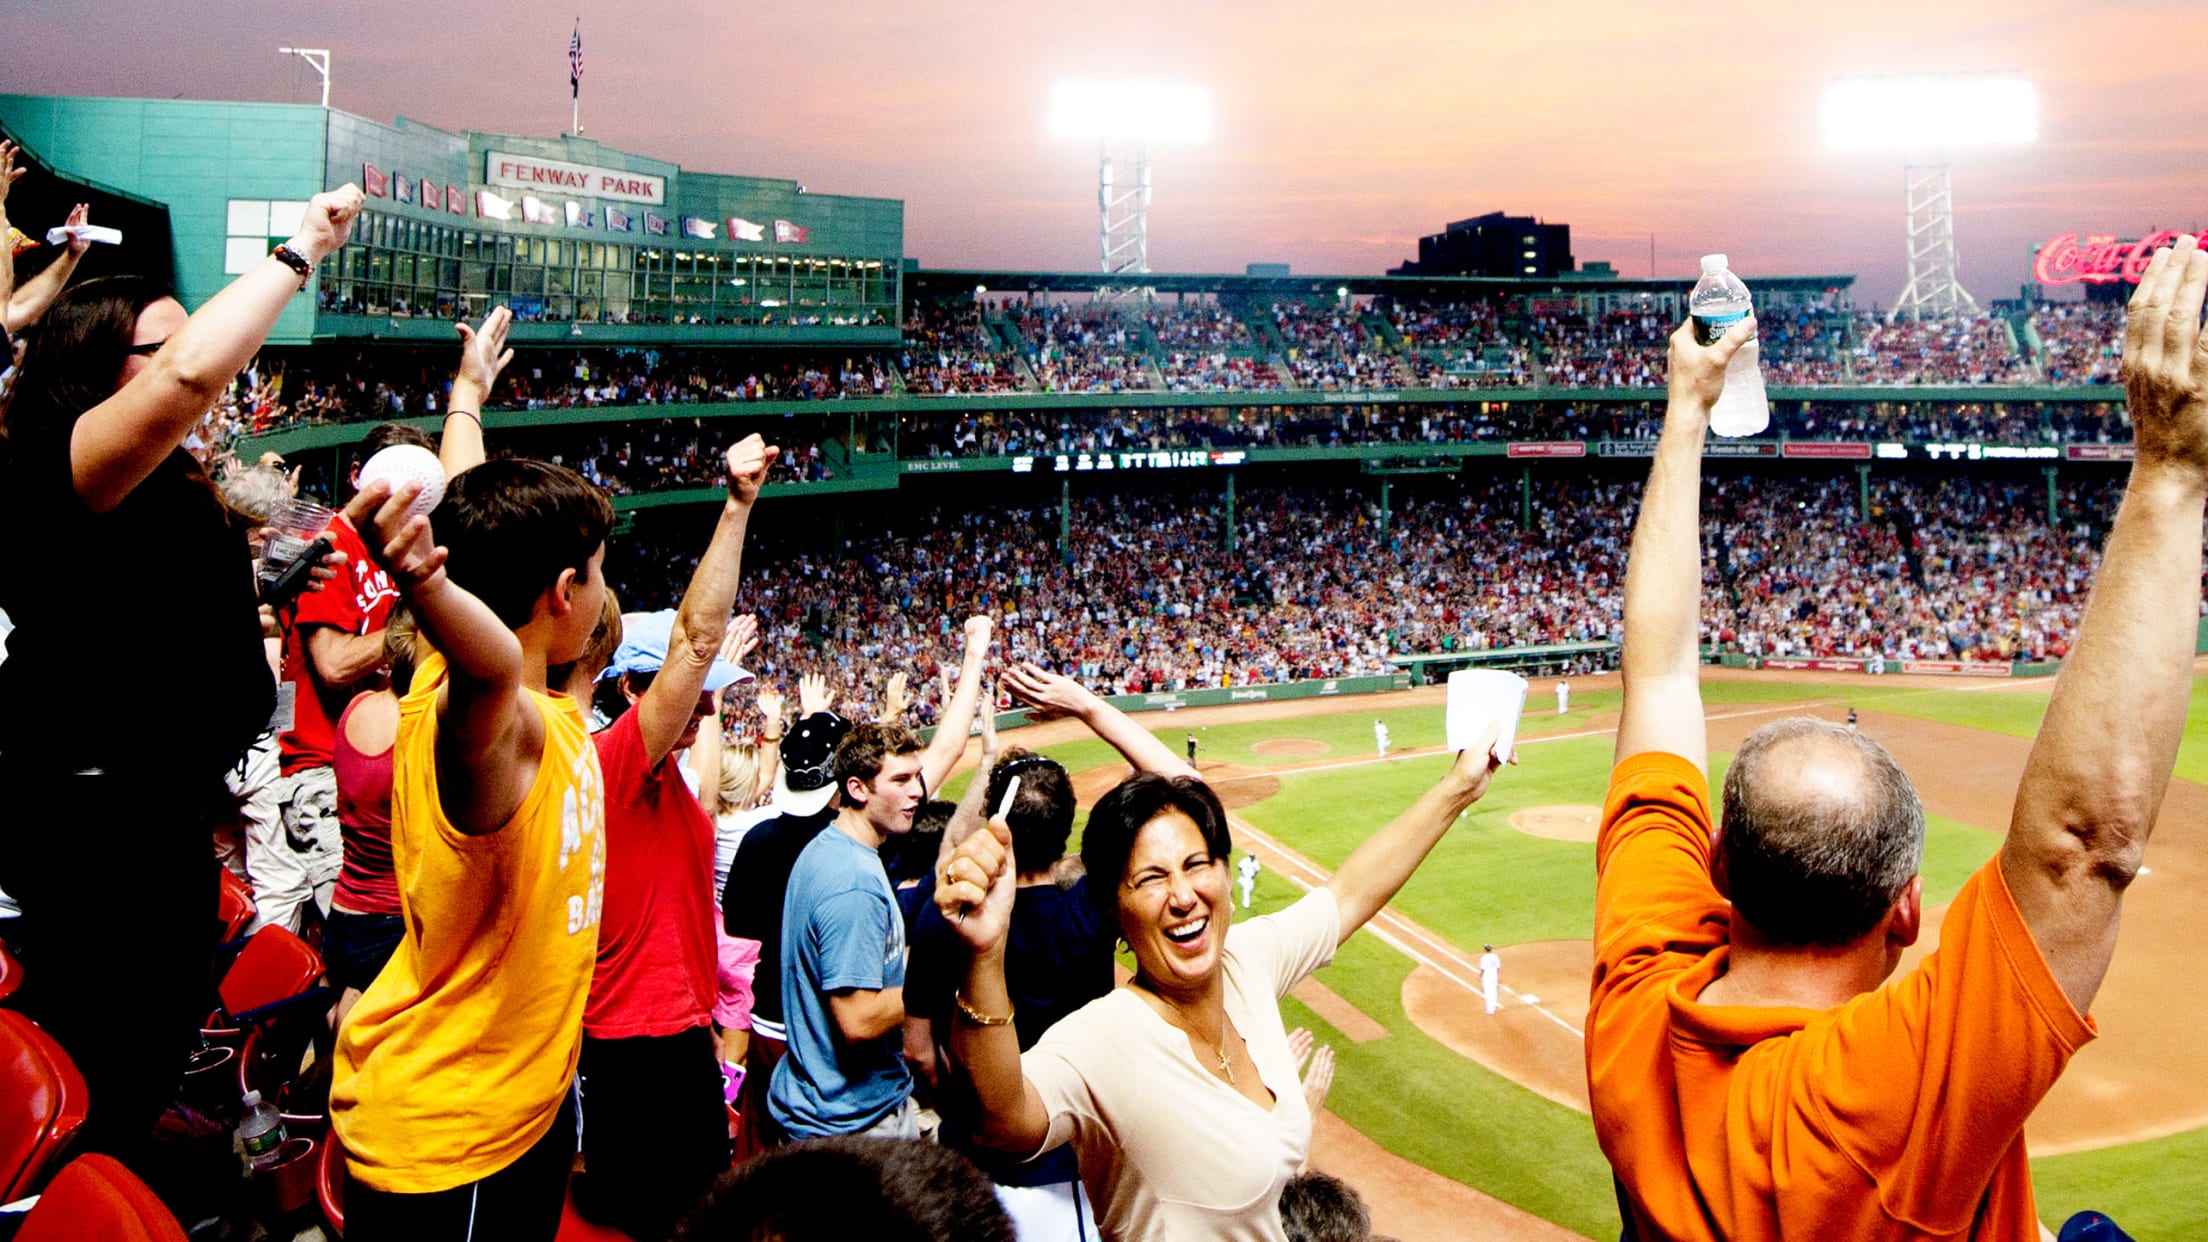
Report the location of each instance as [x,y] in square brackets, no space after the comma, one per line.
[528,172]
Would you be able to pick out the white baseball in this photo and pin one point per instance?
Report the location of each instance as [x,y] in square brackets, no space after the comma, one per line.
[402,464]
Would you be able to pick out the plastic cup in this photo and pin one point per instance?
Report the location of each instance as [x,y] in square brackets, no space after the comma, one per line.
[295,522]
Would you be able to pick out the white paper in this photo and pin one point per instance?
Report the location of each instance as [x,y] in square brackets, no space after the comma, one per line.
[1479,697]
[61,233]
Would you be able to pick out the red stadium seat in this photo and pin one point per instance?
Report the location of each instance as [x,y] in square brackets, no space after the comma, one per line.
[275,967]
[273,1008]
[42,1104]
[330,1182]
[96,1199]
[11,972]
[235,907]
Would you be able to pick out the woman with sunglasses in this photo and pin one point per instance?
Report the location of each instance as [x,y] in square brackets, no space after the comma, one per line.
[120,566]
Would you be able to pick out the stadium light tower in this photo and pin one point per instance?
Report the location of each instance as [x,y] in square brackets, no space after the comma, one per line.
[1924,117]
[1127,117]
[319,57]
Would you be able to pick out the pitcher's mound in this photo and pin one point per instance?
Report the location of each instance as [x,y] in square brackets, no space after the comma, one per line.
[1298,747]
[1563,822]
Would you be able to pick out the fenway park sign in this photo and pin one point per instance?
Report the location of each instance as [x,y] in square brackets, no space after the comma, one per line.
[2098,260]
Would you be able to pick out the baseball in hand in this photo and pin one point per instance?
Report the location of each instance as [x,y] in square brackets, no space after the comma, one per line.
[402,464]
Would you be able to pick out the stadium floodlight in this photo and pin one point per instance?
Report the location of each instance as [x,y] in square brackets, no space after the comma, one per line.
[1931,112]
[1136,114]
[1924,116]
[1133,111]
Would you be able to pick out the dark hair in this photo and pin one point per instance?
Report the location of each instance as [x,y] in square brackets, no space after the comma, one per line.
[1118,819]
[384,435]
[74,360]
[1042,816]
[1315,1207]
[859,755]
[1820,868]
[911,855]
[826,1190]
[512,525]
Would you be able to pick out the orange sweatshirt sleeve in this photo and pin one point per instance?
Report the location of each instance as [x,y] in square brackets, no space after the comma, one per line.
[1653,892]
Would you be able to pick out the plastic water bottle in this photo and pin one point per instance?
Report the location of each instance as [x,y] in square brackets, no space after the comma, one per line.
[260,1135]
[1718,302]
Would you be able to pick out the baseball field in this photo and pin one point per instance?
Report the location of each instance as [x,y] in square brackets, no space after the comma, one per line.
[1460,1125]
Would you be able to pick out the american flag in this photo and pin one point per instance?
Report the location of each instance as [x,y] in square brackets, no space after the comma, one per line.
[575,61]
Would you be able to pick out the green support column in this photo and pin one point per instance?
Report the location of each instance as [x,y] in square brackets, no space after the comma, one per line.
[1065,519]
[1230,513]
[2054,506]
[1525,498]
[1863,491]
[1384,511]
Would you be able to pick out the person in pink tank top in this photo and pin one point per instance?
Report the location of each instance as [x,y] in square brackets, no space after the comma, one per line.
[364,924]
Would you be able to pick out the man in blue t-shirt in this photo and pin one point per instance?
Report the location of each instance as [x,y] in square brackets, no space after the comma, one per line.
[843,954]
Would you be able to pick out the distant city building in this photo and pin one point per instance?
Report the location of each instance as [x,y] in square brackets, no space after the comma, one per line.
[1494,245]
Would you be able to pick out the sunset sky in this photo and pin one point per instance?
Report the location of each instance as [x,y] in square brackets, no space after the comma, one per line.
[1343,131]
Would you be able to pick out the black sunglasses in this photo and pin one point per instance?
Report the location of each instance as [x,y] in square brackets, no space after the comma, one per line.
[146,350]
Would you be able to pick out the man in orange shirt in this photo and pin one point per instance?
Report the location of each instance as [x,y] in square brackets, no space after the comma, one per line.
[1753,1073]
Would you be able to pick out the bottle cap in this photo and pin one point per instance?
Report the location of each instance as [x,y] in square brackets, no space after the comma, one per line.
[1714,263]
[252,1099]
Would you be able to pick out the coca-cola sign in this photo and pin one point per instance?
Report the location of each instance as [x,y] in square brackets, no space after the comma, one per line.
[2100,259]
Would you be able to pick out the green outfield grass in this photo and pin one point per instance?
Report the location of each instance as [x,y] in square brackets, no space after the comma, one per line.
[1487,882]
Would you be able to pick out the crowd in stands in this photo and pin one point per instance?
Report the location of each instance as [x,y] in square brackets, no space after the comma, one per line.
[1089,348]
[947,350]
[1617,349]
[1978,349]
[1961,569]
[1081,347]
[2083,341]
[1198,327]
[1965,568]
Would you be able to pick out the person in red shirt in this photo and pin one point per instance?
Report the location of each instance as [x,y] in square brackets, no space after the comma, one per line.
[655,1124]
[333,650]
[1753,1070]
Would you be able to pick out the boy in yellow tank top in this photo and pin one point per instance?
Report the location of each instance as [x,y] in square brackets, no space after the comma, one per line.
[453,1073]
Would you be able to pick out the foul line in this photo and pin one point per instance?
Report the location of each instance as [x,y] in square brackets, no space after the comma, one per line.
[1404,928]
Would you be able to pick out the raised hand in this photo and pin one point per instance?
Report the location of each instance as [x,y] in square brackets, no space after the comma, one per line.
[975,886]
[813,694]
[1476,764]
[1697,371]
[977,631]
[1320,1079]
[896,697]
[749,459]
[986,713]
[770,704]
[1049,694]
[2165,365]
[742,640]
[328,223]
[79,216]
[483,352]
[9,173]
[403,546]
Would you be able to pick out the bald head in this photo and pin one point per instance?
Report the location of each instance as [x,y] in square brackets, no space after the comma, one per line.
[1822,832]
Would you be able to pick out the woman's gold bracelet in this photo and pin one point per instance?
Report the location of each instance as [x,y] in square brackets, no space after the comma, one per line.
[977,1017]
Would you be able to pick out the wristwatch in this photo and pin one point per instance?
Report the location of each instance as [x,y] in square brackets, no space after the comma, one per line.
[292,259]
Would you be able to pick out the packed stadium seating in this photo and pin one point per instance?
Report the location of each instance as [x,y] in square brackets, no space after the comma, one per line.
[1943,568]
